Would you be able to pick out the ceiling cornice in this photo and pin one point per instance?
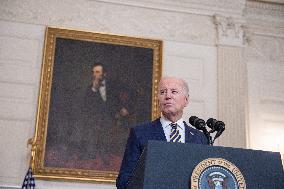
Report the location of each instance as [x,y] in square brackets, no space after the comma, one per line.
[233,8]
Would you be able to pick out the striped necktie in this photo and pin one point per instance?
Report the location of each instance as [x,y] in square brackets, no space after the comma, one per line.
[175,135]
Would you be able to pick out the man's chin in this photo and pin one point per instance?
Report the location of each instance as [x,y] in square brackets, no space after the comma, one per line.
[169,112]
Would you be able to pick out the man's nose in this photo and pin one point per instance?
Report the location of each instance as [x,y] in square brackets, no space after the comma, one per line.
[168,95]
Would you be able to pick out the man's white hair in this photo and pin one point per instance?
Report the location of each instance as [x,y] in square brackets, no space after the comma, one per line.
[184,83]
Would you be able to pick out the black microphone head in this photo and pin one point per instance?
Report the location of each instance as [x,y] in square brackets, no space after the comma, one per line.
[192,119]
[197,123]
[220,126]
[211,123]
[215,125]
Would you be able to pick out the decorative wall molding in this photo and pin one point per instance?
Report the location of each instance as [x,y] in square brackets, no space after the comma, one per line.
[265,50]
[271,1]
[262,30]
[272,12]
[229,31]
[203,7]
[266,5]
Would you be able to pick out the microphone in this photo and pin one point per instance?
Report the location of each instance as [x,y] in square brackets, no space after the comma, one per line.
[216,125]
[198,123]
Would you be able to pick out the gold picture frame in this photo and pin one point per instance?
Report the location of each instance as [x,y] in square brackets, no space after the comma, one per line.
[57,151]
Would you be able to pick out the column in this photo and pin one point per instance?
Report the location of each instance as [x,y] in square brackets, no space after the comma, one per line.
[231,81]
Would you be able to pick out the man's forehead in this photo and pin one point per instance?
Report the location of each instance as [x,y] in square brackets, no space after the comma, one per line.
[99,68]
[170,83]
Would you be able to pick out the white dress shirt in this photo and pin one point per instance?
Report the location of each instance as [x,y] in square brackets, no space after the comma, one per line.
[167,128]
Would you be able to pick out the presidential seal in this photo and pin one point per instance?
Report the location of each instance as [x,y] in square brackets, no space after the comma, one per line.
[217,173]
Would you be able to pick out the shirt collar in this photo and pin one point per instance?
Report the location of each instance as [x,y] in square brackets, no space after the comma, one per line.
[166,123]
[103,83]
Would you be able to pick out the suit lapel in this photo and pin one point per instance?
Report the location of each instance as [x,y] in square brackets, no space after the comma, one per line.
[189,136]
[157,131]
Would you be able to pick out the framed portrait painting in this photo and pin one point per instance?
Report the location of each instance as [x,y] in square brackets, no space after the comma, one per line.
[94,88]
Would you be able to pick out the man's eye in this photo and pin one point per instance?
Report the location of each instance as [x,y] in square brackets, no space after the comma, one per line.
[174,92]
[162,92]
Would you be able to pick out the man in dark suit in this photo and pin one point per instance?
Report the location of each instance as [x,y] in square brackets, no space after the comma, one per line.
[173,98]
[103,103]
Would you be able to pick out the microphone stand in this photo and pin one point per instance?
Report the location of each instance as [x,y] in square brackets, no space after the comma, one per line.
[208,136]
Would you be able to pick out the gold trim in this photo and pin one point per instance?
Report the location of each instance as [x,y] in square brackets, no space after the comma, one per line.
[38,143]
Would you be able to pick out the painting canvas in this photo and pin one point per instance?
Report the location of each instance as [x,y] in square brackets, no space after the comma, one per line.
[94,88]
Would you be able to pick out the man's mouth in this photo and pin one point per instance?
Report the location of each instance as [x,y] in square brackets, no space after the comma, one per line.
[168,104]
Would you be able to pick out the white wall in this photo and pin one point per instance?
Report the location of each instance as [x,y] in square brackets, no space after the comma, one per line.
[20,63]
[190,50]
[264,55]
[266,92]
[197,65]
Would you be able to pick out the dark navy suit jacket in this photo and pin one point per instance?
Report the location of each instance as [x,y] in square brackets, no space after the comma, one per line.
[138,139]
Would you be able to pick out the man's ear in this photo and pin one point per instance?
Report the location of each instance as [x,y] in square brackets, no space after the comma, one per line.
[187,100]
